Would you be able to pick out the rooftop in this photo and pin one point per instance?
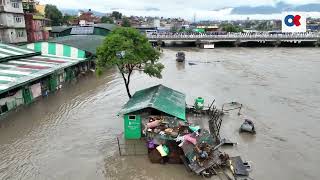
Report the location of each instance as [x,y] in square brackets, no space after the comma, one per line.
[8,52]
[87,43]
[26,65]
[158,97]
[59,29]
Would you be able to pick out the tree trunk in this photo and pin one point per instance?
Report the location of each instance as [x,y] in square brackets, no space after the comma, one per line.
[128,90]
[126,83]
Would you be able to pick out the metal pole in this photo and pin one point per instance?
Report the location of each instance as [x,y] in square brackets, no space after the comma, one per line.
[119,146]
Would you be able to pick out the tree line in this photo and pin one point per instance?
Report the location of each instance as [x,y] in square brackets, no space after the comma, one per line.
[58,18]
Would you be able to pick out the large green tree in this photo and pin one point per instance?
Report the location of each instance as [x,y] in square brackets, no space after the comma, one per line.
[53,13]
[129,51]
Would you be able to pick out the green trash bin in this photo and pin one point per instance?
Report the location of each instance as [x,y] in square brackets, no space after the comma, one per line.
[199,103]
[132,126]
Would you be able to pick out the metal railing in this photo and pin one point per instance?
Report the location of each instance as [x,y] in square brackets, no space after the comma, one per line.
[242,36]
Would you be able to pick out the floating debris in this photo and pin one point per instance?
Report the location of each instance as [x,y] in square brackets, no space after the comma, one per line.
[248,126]
[170,137]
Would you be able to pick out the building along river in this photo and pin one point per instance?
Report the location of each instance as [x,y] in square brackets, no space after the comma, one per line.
[71,134]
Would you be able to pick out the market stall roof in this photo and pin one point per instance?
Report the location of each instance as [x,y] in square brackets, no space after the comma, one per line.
[18,72]
[158,97]
[8,52]
[56,49]
[87,43]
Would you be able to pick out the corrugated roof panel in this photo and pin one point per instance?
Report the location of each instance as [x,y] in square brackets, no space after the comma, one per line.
[17,72]
[8,52]
[159,97]
[6,78]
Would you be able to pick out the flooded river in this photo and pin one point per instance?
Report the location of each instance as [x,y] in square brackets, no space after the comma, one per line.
[71,134]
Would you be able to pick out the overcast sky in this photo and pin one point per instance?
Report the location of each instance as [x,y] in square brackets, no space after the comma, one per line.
[177,8]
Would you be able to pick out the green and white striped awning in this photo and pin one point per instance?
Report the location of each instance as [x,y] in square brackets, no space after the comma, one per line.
[18,72]
[8,52]
[56,49]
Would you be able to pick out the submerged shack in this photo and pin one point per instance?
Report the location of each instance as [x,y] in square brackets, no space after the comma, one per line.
[158,115]
[157,101]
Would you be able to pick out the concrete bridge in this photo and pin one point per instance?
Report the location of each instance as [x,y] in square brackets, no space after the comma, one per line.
[237,39]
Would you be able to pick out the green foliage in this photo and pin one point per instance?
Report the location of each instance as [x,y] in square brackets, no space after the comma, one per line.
[231,28]
[174,29]
[264,26]
[117,15]
[53,13]
[68,18]
[126,22]
[138,54]
[106,19]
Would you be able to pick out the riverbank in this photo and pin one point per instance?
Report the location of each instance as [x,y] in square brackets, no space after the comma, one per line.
[71,134]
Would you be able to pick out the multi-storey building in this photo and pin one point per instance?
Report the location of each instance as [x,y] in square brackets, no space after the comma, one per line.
[36,23]
[36,28]
[12,23]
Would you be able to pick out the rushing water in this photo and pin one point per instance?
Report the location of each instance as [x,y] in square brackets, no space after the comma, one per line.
[71,134]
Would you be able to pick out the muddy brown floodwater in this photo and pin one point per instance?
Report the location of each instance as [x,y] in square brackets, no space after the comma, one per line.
[71,134]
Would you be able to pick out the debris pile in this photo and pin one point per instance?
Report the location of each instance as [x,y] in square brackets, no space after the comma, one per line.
[173,141]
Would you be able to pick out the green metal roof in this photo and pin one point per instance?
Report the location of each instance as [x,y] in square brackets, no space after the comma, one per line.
[9,52]
[158,97]
[110,27]
[87,43]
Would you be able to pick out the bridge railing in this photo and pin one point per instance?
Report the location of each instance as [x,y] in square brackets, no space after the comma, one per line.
[234,36]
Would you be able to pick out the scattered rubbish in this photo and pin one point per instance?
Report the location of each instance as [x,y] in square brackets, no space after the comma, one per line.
[232,106]
[201,62]
[192,64]
[248,165]
[172,136]
[248,126]
[227,142]
[237,166]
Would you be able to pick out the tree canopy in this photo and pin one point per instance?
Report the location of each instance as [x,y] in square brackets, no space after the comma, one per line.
[53,13]
[105,19]
[126,22]
[117,15]
[128,50]
[231,28]
[68,18]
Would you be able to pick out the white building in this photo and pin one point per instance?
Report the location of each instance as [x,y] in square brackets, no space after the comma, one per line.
[156,23]
[12,23]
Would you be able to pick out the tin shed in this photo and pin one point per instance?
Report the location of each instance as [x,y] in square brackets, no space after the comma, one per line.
[160,98]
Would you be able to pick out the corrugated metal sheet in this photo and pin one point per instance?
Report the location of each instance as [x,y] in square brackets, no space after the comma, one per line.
[8,52]
[87,43]
[56,49]
[159,97]
[17,72]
